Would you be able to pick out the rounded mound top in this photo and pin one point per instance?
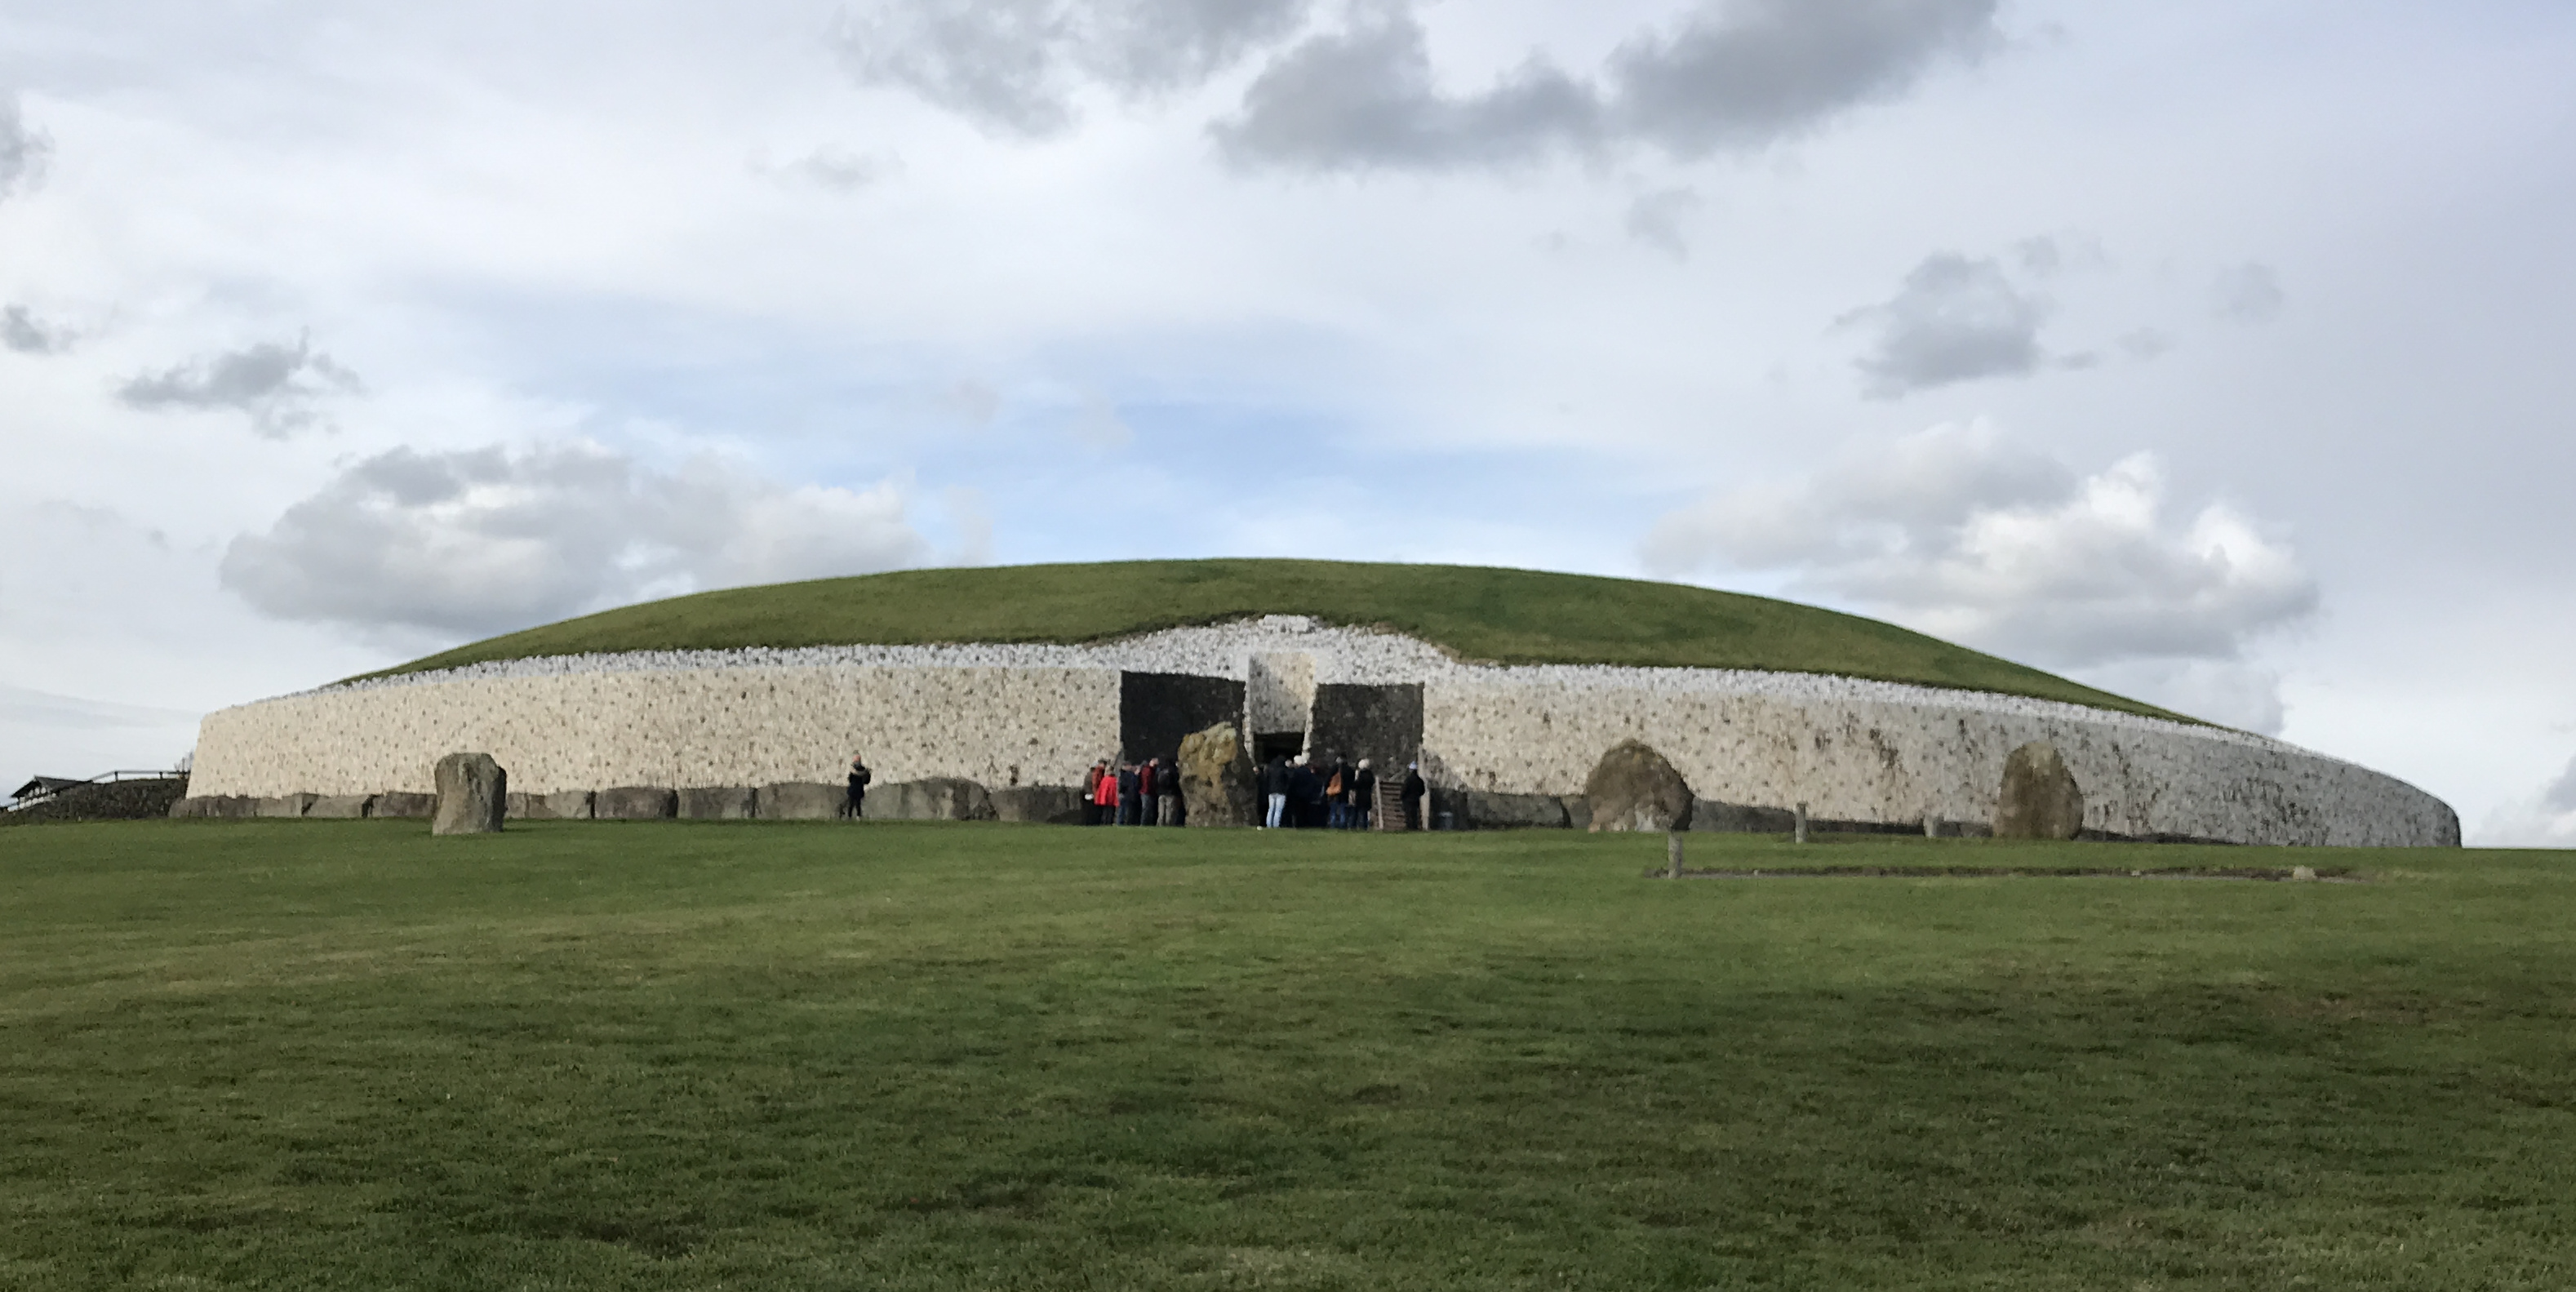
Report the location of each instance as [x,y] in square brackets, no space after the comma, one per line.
[1479,614]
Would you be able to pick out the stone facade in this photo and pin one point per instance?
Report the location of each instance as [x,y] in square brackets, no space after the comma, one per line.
[1871,754]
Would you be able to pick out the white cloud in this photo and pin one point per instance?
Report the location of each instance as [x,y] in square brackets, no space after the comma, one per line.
[1959,533]
[2544,820]
[484,540]
[44,734]
[1099,427]
[277,385]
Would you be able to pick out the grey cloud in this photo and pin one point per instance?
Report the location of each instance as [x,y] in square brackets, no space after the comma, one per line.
[1960,533]
[2561,794]
[1734,76]
[1953,319]
[1365,98]
[2545,821]
[277,385]
[839,170]
[1015,66]
[23,149]
[24,333]
[1748,73]
[2249,293]
[479,541]
[1656,220]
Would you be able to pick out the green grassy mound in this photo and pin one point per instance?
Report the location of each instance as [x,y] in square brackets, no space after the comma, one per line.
[1490,615]
[576,1056]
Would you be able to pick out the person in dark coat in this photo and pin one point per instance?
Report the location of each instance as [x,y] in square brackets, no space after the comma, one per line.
[1091,793]
[1305,794]
[1128,796]
[859,778]
[1363,795]
[1414,789]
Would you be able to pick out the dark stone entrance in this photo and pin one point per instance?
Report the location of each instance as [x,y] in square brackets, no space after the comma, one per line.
[1380,723]
[1156,709]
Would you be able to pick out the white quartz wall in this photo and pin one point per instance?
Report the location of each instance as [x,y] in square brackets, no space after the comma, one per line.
[1039,714]
[1893,760]
[688,727]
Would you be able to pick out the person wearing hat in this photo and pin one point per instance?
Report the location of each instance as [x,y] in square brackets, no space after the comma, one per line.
[1363,795]
[1414,789]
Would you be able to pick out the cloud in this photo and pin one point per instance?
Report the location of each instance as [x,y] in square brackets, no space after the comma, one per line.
[484,540]
[2248,293]
[1656,220]
[2545,820]
[1732,77]
[24,149]
[1743,75]
[1015,66]
[1953,319]
[44,734]
[837,170]
[277,385]
[1365,98]
[1959,533]
[24,333]
[1100,428]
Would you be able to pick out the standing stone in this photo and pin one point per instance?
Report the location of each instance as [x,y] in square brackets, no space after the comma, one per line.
[2040,799]
[473,795]
[1216,778]
[1633,788]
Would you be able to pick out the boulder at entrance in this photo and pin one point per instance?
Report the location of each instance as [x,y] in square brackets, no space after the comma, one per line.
[473,794]
[1216,778]
[1634,788]
[2040,798]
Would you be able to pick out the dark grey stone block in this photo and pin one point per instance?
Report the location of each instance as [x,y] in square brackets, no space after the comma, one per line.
[718,803]
[405,806]
[1050,804]
[636,803]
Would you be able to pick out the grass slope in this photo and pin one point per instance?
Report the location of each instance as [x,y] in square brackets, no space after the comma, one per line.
[1494,615]
[576,1056]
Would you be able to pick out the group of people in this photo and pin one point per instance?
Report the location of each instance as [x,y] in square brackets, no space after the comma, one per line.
[1296,794]
[1147,793]
[1293,794]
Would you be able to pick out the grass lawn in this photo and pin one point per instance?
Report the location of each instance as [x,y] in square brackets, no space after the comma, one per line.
[347,1055]
[1491,615]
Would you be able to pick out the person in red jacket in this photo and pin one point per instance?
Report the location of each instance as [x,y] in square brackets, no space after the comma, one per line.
[1091,793]
[1107,793]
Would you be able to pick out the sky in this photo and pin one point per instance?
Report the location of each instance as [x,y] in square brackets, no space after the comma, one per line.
[2218,354]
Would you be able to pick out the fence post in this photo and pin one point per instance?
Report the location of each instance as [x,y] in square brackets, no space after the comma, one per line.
[1673,854]
[1802,823]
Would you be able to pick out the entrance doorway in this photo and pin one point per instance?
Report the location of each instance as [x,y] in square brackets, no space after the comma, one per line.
[1277,744]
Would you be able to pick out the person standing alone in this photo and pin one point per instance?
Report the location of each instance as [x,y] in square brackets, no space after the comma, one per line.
[859,778]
